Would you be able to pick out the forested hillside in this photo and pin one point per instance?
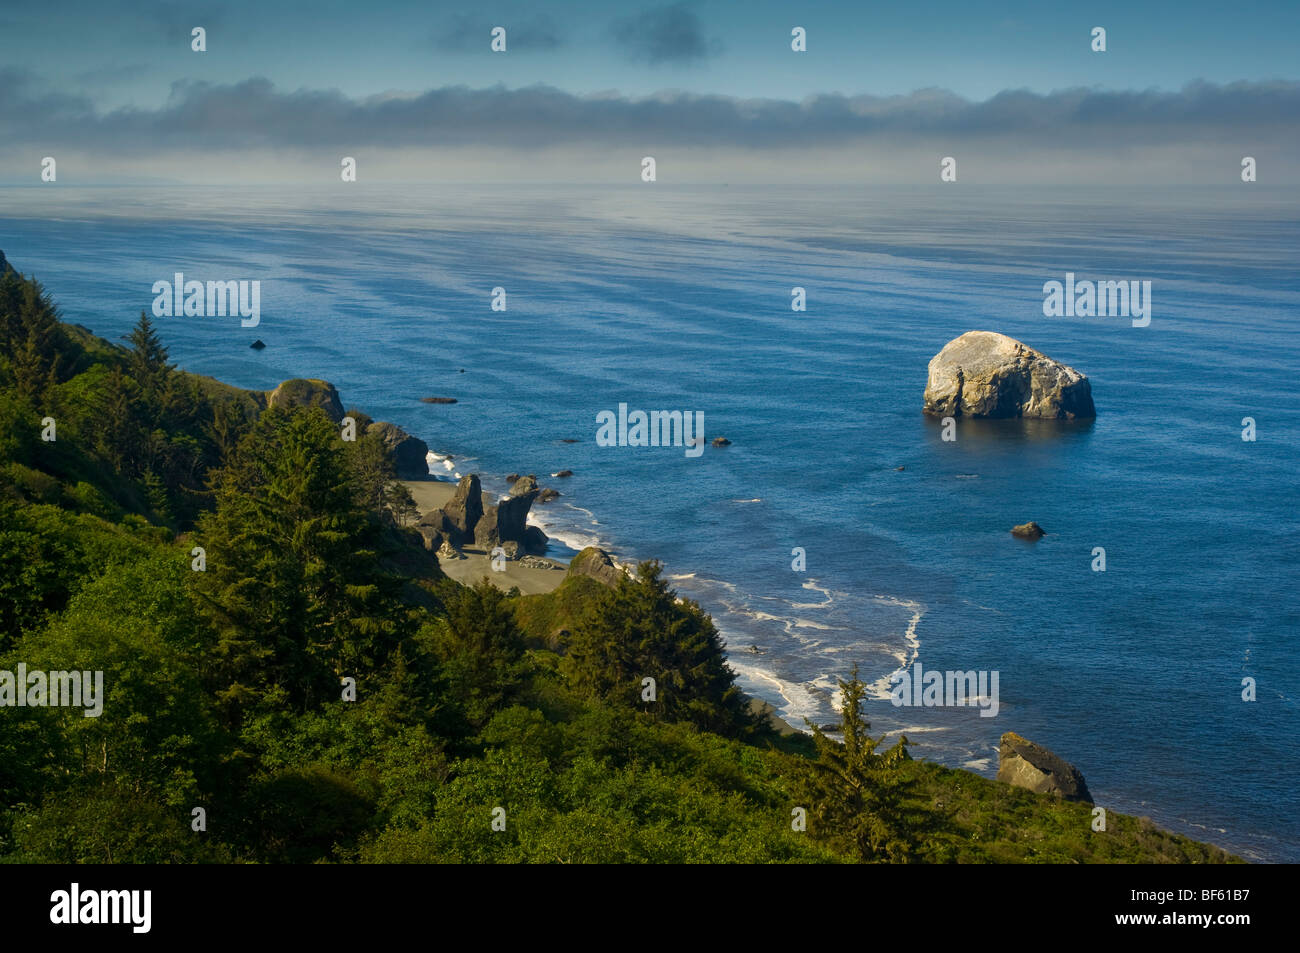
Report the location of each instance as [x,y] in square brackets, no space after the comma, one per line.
[288,676]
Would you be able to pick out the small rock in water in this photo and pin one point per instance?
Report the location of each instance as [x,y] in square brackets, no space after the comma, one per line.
[512,478]
[896,469]
[563,473]
[438,400]
[547,495]
[569,440]
[257,345]
[721,442]
[1030,530]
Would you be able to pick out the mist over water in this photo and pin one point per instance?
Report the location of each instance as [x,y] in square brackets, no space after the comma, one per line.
[679,299]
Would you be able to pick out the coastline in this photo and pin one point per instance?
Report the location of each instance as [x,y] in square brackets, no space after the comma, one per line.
[530,580]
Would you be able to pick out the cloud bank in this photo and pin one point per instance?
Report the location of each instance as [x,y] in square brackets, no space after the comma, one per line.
[1073,126]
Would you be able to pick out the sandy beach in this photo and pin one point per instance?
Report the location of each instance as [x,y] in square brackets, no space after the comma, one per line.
[477,564]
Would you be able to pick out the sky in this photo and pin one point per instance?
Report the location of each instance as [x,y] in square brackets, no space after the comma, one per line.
[712,89]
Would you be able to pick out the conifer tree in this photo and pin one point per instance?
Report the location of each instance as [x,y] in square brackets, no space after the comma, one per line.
[640,629]
[292,583]
[856,796]
[34,338]
[147,361]
[481,650]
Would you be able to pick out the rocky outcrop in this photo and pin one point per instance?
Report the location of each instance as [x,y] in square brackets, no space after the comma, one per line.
[535,541]
[485,532]
[306,392]
[512,512]
[448,551]
[463,511]
[547,494]
[410,454]
[433,535]
[1027,765]
[595,562]
[466,520]
[1030,530]
[532,562]
[523,486]
[986,374]
[5,267]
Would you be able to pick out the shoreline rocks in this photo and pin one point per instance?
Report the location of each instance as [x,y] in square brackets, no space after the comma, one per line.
[596,563]
[410,454]
[986,374]
[1023,764]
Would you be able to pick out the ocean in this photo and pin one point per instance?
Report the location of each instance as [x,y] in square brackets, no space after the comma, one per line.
[679,298]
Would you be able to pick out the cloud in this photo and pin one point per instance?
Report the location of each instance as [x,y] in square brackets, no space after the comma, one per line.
[670,34]
[469,34]
[111,75]
[174,20]
[1170,131]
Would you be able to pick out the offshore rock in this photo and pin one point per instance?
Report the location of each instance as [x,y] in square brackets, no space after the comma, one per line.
[985,374]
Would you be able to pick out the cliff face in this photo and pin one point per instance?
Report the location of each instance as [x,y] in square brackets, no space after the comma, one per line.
[985,374]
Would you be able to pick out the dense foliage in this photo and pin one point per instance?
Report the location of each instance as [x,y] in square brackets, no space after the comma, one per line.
[280,652]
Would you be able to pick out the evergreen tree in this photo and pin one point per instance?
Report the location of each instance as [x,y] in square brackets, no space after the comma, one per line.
[481,650]
[292,582]
[640,629]
[147,360]
[855,796]
[371,467]
[33,337]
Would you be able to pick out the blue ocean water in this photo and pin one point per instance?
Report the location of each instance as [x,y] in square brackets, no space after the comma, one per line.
[679,299]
